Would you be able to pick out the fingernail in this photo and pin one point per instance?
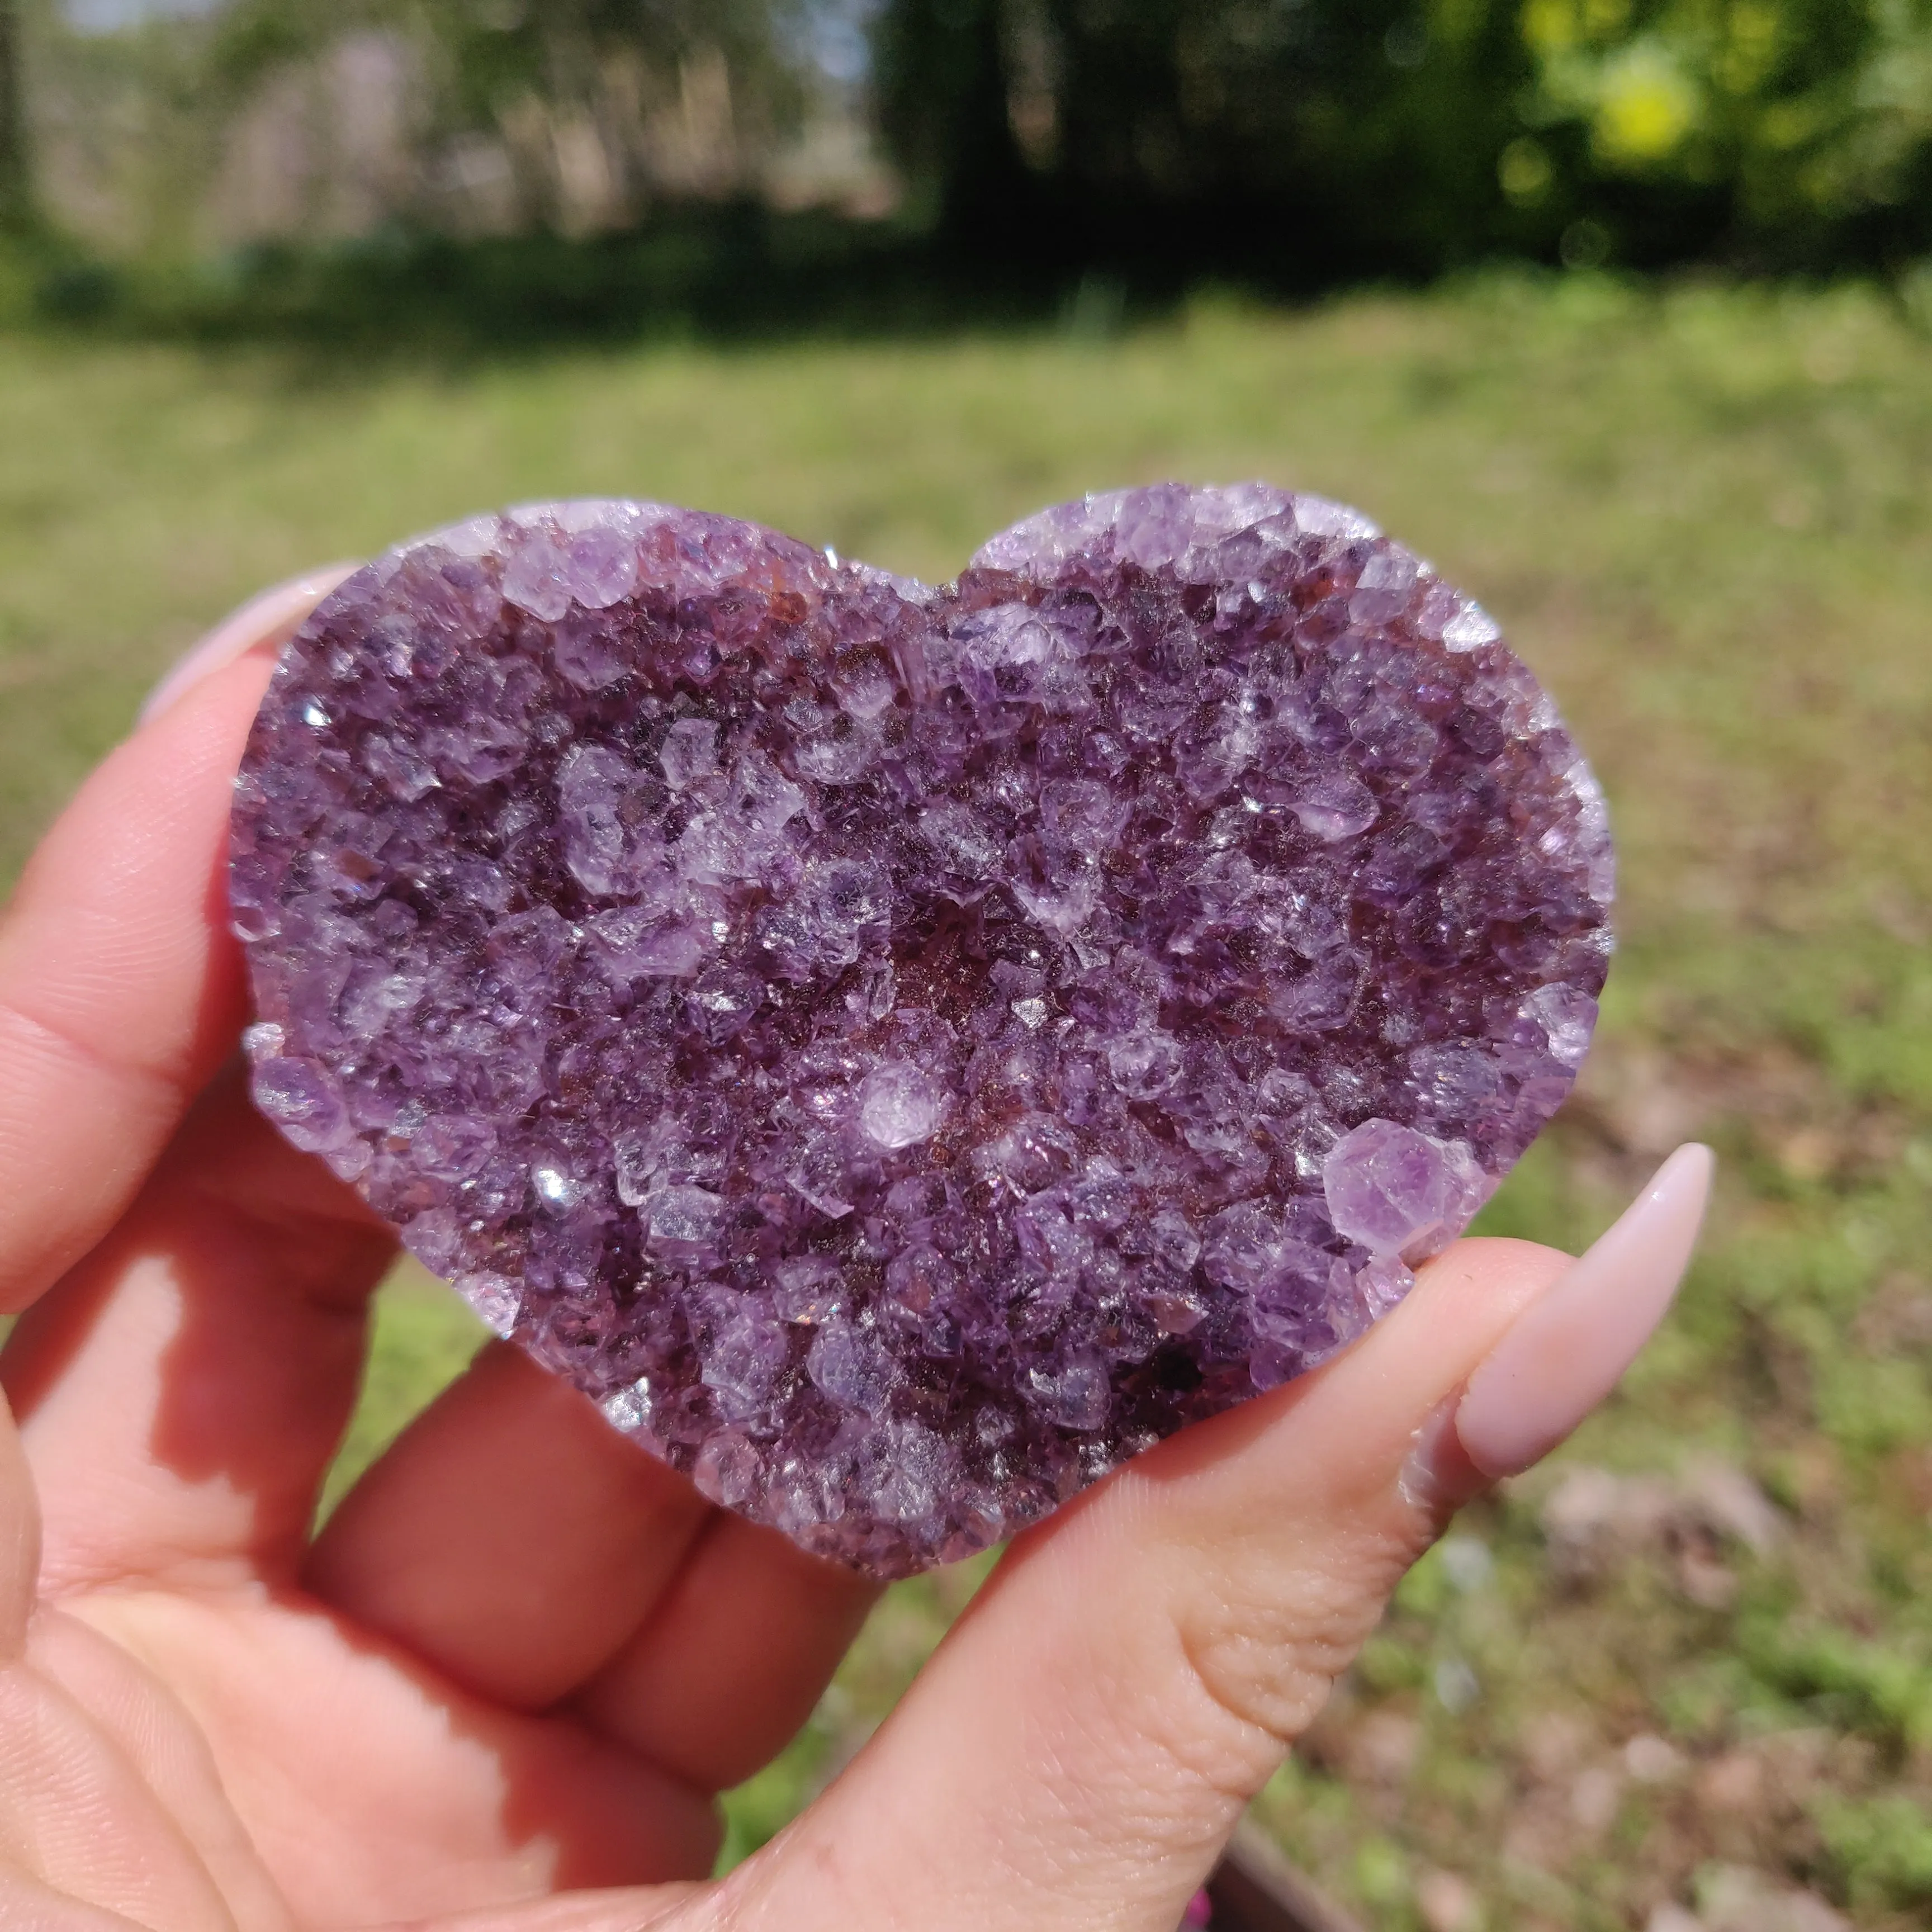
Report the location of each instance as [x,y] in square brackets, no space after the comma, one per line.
[1567,1351]
[270,618]
[1437,1477]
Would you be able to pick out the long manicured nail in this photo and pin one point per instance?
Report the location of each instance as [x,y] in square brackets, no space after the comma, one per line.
[1569,1350]
[270,618]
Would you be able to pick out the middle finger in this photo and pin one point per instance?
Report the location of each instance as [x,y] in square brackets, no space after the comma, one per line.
[509,1536]
[515,1539]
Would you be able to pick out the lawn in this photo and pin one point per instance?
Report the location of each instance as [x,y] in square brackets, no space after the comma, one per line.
[1692,1657]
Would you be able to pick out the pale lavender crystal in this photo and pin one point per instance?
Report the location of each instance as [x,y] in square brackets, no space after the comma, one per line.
[1398,1191]
[901,1051]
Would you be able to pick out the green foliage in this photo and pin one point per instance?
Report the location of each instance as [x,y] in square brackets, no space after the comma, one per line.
[1873,1687]
[1413,135]
[1800,117]
[1882,1849]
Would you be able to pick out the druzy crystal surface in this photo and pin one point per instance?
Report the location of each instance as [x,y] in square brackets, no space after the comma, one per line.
[902,1051]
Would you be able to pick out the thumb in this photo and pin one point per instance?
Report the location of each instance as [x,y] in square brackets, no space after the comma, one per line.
[1079,1749]
[120,986]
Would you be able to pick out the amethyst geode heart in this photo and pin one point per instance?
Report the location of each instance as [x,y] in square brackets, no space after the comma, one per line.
[901,1051]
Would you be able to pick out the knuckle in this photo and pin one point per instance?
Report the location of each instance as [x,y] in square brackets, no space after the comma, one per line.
[1159,1765]
[1263,1638]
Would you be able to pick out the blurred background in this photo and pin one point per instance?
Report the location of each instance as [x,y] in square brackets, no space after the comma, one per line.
[1621,310]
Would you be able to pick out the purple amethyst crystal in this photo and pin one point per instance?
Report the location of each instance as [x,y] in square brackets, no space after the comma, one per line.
[901,1051]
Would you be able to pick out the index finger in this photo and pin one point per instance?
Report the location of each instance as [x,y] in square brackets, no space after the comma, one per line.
[121,988]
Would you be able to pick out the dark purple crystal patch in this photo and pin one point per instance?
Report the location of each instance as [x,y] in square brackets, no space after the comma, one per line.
[901,1051]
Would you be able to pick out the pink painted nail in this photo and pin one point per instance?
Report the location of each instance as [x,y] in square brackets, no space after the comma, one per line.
[1569,1350]
[270,619]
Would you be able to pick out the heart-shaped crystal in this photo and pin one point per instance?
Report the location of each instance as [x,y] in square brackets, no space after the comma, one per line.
[901,1051]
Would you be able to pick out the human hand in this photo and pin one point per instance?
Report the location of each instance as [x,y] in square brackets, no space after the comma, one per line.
[506,1681]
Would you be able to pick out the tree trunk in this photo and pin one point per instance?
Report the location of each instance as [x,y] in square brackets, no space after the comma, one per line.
[16,183]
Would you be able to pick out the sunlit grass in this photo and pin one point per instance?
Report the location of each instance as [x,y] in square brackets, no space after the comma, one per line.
[1705,517]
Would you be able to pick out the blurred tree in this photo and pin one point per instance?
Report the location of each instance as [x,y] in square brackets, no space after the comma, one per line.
[592,101]
[942,86]
[1784,131]
[1340,134]
[16,165]
[1300,142]
[1315,138]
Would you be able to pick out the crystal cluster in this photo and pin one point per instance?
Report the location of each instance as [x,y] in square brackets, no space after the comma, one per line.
[901,1051]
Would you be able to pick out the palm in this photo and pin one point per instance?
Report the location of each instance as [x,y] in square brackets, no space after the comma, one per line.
[323,1778]
[401,1798]
[456,1697]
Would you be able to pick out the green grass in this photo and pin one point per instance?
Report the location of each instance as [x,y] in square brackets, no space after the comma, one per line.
[1705,517]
